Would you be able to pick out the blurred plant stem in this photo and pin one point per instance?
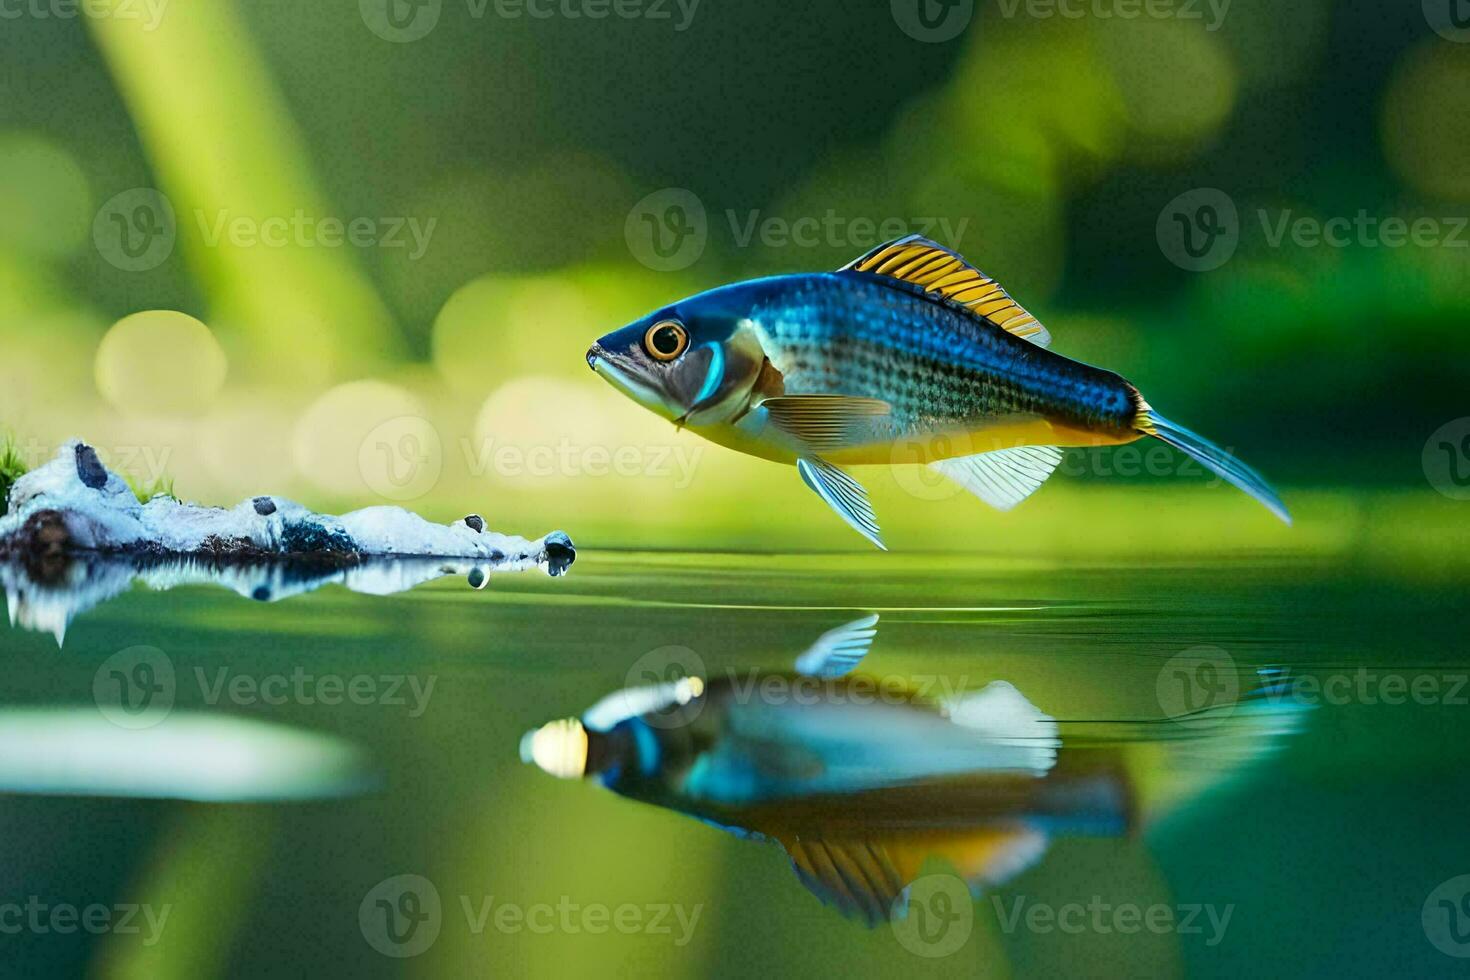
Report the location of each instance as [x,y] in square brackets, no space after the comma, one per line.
[224,148]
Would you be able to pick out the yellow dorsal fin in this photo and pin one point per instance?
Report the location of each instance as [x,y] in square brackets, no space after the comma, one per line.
[942,272]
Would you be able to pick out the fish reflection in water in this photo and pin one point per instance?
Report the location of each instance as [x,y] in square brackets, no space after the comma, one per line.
[862,782]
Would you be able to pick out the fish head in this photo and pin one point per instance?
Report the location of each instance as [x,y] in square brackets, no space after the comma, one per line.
[558,748]
[695,363]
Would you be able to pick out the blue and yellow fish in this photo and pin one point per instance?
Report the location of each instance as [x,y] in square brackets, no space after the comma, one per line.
[908,354]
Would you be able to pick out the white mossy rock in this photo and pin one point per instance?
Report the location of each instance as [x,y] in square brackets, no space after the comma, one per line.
[101,514]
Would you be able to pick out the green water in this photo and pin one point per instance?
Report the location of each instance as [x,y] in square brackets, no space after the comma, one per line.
[1324,854]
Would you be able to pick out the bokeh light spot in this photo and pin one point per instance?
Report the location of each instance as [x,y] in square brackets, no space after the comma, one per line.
[1426,120]
[160,362]
[369,437]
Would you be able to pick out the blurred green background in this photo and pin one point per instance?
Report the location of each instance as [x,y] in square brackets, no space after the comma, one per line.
[181,179]
[208,158]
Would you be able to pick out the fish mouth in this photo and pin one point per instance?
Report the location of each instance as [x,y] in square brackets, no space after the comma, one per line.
[628,378]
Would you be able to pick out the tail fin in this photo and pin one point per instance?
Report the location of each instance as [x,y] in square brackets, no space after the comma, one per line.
[1217,460]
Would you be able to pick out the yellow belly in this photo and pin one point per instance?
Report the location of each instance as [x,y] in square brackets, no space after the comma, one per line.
[927,447]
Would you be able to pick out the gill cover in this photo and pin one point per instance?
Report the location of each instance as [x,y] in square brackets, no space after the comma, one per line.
[716,379]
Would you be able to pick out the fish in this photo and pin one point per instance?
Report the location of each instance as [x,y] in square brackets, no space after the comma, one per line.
[862,780]
[908,354]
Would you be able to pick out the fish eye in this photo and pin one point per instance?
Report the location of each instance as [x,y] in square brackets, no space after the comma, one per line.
[666,340]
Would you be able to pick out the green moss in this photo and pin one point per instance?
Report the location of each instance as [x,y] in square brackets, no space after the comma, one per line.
[161,487]
[12,468]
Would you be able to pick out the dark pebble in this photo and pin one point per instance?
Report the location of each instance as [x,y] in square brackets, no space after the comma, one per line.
[310,538]
[264,506]
[89,468]
[560,553]
[476,523]
[478,578]
[261,594]
[497,555]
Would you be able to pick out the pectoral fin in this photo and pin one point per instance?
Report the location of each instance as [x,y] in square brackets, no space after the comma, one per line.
[837,652]
[869,879]
[823,423]
[1005,477]
[843,494]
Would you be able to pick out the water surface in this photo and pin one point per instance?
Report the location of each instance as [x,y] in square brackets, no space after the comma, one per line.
[1321,858]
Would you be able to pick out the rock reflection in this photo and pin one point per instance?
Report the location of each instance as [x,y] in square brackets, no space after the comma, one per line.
[48,597]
